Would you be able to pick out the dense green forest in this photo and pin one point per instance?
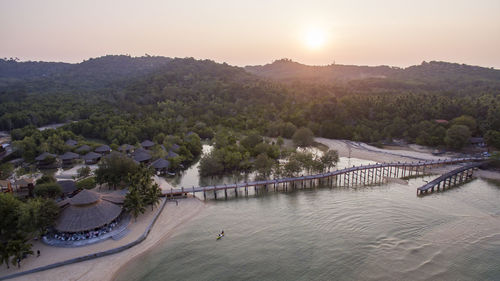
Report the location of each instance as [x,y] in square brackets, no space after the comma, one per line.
[120,99]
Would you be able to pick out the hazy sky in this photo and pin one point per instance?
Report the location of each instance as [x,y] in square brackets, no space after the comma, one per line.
[391,32]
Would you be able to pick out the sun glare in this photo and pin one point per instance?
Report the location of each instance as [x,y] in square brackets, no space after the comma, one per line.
[315,38]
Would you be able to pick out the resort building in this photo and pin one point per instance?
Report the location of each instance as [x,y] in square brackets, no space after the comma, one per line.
[68,187]
[68,158]
[147,144]
[88,210]
[161,165]
[91,158]
[103,149]
[141,155]
[23,188]
[46,161]
[83,149]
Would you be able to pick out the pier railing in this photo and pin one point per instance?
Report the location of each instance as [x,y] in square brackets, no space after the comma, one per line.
[352,176]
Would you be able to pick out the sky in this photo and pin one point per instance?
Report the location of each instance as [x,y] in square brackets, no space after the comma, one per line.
[370,32]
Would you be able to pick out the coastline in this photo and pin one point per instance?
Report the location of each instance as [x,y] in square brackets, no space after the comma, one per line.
[173,217]
[105,268]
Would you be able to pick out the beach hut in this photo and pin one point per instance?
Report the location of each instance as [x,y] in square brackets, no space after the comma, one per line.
[71,143]
[161,165]
[68,158]
[103,149]
[88,210]
[46,161]
[147,144]
[83,149]
[91,158]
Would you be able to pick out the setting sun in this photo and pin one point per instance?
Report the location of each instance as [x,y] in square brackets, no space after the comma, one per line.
[315,38]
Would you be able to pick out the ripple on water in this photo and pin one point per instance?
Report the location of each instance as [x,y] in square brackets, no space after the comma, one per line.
[377,233]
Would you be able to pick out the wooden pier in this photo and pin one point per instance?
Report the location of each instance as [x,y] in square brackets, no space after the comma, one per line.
[353,176]
[450,179]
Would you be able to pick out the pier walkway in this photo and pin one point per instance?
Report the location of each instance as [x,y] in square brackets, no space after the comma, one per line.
[353,176]
[452,178]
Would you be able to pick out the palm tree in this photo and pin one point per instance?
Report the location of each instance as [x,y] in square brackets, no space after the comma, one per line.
[133,203]
[152,195]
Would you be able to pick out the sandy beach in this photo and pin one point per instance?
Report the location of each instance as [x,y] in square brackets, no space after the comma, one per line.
[173,216]
[105,268]
[361,150]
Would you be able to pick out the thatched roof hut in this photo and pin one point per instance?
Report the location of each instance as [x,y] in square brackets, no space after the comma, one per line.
[68,187]
[160,164]
[91,157]
[71,143]
[147,144]
[83,148]
[103,149]
[44,156]
[142,157]
[68,156]
[86,211]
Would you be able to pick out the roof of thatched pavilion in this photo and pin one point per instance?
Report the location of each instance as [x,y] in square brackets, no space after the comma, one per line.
[86,211]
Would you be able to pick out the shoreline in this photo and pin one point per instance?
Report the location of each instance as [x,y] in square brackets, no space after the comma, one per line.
[170,221]
[106,268]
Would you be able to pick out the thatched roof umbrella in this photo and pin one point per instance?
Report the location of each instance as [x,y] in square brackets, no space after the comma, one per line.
[86,211]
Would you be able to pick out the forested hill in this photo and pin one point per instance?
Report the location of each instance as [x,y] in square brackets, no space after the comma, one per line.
[424,75]
[89,74]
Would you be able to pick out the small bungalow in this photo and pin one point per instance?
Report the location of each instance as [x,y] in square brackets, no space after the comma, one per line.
[161,165]
[147,144]
[141,156]
[83,149]
[68,187]
[46,161]
[126,148]
[91,158]
[71,143]
[23,188]
[103,149]
[68,158]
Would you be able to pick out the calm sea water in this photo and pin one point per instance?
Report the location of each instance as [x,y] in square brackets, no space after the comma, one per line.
[379,232]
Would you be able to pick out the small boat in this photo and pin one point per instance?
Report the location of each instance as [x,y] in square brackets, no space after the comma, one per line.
[220,236]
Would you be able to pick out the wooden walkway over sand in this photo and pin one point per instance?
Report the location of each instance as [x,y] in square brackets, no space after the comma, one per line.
[353,176]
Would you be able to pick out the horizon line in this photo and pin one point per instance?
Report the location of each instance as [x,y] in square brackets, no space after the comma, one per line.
[247,65]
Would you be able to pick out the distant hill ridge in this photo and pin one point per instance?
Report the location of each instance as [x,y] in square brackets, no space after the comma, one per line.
[288,70]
